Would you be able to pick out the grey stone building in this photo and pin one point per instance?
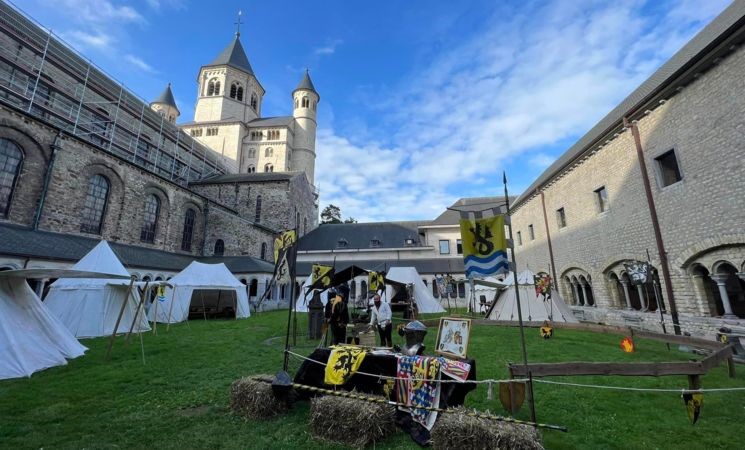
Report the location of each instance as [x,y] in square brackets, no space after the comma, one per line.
[83,159]
[682,134]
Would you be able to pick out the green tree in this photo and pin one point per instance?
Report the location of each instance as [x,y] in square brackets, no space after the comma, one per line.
[331,214]
[350,220]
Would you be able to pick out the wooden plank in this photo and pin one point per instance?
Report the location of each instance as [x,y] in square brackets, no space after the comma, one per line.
[681,340]
[623,369]
[717,358]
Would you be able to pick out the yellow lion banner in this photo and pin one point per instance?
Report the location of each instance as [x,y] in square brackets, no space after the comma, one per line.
[343,362]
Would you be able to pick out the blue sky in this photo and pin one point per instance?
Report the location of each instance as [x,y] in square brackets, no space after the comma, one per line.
[422,101]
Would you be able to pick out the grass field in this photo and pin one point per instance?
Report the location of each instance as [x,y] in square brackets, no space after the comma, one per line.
[179,398]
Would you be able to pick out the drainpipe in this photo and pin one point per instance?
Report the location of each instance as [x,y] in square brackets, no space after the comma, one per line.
[204,227]
[47,177]
[655,224]
[548,237]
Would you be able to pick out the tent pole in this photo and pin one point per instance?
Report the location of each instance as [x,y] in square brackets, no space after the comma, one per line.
[137,313]
[121,313]
[155,322]
[235,308]
[170,309]
[204,311]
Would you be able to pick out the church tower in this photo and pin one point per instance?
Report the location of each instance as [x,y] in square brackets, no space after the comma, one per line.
[306,101]
[228,88]
[165,105]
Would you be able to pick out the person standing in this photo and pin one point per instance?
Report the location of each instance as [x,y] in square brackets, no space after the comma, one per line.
[339,317]
[381,316]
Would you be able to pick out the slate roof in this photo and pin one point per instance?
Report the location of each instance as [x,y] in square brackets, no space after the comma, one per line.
[166,97]
[306,83]
[423,265]
[234,56]
[280,121]
[359,235]
[21,241]
[248,177]
[450,217]
[677,71]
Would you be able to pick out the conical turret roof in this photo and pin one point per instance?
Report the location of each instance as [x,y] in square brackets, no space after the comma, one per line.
[166,97]
[233,55]
[306,83]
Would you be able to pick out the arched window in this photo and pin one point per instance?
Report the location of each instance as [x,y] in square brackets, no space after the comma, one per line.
[219,247]
[188,234]
[363,289]
[268,168]
[252,153]
[257,217]
[462,290]
[251,169]
[95,204]
[296,103]
[236,91]
[233,90]
[213,87]
[269,152]
[254,102]
[11,157]
[239,94]
[253,288]
[306,102]
[263,250]
[353,291]
[150,219]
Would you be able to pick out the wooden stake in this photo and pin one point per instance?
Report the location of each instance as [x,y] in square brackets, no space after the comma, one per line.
[137,313]
[119,319]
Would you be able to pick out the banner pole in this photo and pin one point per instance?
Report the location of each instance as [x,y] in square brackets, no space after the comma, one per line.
[531,400]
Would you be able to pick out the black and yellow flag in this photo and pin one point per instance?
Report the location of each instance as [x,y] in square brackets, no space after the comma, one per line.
[323,273]
[283,242]
[375,281]
[694,403]
[342,364]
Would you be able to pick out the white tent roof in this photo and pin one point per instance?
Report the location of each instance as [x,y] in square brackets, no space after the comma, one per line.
[301,304]
[89,307]
[100,259]
[425,302]
[533,307]
[175,307]
[31,339]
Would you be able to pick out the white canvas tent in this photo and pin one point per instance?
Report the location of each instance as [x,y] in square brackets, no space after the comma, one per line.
[89,307]
[534,309]
[301,304]
[31,339]
[425,302]
[175,307]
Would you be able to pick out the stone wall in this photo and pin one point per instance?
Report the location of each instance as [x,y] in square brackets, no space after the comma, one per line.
[76,162]
[704,212]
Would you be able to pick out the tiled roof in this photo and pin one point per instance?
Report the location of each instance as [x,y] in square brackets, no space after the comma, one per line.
[360,236]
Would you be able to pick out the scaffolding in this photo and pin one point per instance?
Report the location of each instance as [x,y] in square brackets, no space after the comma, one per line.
[44,77]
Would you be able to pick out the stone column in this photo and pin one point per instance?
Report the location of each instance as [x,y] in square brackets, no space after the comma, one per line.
[626,297]
[721,280]
[584,293]
[575,292]
[640,290]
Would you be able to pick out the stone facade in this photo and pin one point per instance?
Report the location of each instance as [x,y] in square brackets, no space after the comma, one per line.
[701,216]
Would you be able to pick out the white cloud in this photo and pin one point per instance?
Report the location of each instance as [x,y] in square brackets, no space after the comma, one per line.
[83,40]
[328,49]
[96,11]
[546,74]
[139,63]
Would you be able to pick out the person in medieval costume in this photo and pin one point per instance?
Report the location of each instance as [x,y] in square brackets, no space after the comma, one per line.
[339,315]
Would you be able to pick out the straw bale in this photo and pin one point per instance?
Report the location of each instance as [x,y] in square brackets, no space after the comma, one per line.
[351,422]
[253,399]
[457,430]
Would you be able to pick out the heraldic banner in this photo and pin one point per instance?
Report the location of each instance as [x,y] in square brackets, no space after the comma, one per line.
[484,246]
[323,273]
[284,256]
[375,281]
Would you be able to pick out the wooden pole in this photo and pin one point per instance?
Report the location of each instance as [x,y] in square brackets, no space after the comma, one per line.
[519,309]
[119,318]
[137,314]
[170,309]
[155,314]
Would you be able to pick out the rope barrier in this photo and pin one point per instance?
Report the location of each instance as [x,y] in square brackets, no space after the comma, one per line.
[623,388]
[386,377]
[373,399]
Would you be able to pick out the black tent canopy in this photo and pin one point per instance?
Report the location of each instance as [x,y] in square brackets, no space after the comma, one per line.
[347,274]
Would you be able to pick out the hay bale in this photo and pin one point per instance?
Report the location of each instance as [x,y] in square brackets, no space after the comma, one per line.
[351,422]
[253,399]
[456,430]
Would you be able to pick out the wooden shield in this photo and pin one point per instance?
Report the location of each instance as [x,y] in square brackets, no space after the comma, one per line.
[512,395]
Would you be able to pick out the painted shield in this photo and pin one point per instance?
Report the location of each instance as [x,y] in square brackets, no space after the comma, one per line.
[694,403]
[512,395]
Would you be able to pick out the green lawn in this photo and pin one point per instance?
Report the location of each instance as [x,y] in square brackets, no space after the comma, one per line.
[179,398]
